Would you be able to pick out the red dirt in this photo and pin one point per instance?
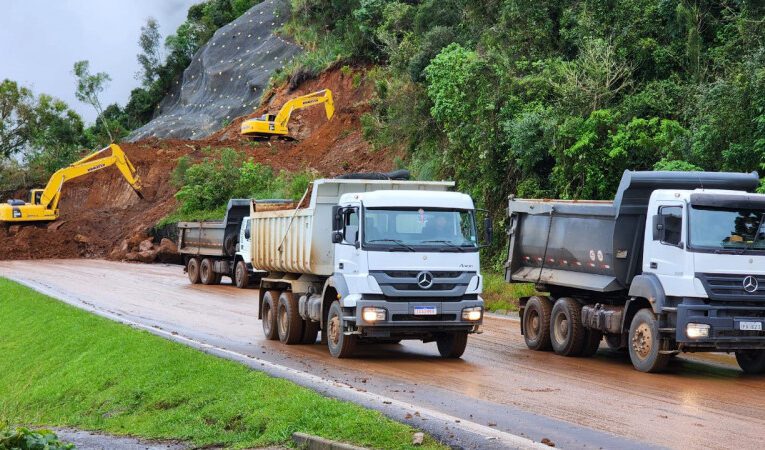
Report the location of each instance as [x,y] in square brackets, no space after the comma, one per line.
[100,211]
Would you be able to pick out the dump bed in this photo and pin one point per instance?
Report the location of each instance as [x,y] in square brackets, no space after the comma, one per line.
[214,237]
[595,245]
[299,240]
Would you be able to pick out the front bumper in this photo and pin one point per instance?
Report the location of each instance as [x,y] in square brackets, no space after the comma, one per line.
[400,320]
[724,320]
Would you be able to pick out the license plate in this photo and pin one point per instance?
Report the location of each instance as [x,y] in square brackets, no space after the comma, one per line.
[425,311]
[750,326]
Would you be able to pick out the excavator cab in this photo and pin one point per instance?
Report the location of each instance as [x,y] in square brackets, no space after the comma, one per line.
[43,205]
[276,124]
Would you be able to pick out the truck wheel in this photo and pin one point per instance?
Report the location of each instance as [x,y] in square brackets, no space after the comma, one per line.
[645,342]
[536,323]
[241,276]
[288,320]
[270,298]
[192,268]
[339,344]
[592,340]
[566,330]
[452,345]
[310,332]
[752,362]
[206,274]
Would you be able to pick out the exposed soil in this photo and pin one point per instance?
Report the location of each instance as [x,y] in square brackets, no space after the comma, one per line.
[102,216]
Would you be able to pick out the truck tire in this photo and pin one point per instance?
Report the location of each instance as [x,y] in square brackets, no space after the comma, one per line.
[241,276]
[566,331]
[752,362]
[310,332]
[288,320]
[592,340]
[270,299]
[645,343]
[536,323]
[339,344]
[206,274]
[192,268]
[452,345]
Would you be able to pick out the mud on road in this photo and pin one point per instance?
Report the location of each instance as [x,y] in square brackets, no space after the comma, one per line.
[704,401]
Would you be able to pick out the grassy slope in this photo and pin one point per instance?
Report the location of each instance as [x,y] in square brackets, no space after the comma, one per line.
[61,366]
[500,295]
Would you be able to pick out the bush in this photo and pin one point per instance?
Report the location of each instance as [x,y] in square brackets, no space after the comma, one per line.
[26,439]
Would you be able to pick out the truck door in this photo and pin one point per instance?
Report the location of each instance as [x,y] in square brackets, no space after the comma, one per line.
[664,253]
[347,251]
[245,240]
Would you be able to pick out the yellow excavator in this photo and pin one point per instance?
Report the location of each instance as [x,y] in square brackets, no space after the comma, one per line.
[276,124]
[43,204]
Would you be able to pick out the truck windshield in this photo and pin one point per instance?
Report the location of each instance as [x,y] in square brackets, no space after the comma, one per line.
[727,229]
[419,229]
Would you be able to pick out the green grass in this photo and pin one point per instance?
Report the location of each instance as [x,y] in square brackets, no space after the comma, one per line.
[499,295]
[61,366]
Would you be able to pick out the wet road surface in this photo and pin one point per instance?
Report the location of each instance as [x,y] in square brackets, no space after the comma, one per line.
[601,402]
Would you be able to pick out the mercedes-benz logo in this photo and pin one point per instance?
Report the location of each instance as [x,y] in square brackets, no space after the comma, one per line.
[750,284]
[425,280]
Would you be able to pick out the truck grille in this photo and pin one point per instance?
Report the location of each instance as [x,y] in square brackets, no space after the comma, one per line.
[403,284]
[732,286]
[413,318]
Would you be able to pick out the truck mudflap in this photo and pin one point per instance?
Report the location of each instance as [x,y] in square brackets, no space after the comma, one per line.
[417,317]
[731,327]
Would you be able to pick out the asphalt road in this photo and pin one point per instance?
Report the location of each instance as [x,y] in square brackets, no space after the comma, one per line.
[498,390]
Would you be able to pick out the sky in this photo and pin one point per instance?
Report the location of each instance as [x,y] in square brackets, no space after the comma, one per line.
[40,40]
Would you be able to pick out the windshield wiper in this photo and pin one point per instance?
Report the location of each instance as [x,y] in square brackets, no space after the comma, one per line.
[395,241]
[441,241]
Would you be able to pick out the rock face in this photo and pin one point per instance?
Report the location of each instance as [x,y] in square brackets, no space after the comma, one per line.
[226,77]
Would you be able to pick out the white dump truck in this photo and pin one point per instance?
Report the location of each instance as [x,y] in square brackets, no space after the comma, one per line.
[369,261]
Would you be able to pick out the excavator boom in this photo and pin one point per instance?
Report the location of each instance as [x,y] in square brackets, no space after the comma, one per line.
[269,125]
[43,205]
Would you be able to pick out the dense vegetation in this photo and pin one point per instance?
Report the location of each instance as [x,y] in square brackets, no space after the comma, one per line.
[25,439]
[552,98]
[65,367]
[39,134]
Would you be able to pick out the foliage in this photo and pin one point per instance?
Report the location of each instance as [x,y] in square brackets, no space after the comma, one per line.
[208,184]
[80,370]
[26,439]
[499,295]
[151,53]
[89,86]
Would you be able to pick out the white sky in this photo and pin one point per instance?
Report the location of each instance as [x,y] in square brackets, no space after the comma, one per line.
[40,40]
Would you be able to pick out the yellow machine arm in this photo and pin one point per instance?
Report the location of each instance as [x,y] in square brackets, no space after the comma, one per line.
[43,205]
[270,124]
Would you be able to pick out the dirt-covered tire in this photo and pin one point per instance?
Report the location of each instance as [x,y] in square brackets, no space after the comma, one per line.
[206,274]
[566,331]
[288,320]
[310,332]
[339,344]
[452,345]
[241,276]
[270,299]
[591,344]
[752,362]
[644,343]
[192,268]
[536,323]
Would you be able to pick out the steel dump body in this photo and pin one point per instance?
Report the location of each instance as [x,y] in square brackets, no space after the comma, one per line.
[209,238]
[298,240]
[594,245]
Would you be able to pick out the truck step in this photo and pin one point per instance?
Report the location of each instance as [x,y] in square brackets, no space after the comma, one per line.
[669,352]
[669,309]
[667,330]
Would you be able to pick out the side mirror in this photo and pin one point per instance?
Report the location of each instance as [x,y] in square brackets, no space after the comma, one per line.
[658,227]
[488,229]
[337,237]
[247,234]
[337,218]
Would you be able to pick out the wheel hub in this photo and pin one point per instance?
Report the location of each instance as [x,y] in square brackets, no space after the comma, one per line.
[334,329]
[642,341]
[283,319]
[534,324]
[561,328]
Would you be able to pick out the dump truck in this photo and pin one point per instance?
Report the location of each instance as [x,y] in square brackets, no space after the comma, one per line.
[43,203]
[211,249]
[675,263]
[370,260]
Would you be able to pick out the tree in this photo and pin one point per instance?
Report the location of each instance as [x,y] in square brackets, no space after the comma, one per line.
[89,86]
[16,108]
[150,57]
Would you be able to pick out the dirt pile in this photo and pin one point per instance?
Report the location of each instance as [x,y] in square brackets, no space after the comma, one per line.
[101,216]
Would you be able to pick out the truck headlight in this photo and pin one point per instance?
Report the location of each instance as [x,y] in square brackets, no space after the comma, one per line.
[472,314]
[373,314]
[697,330]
